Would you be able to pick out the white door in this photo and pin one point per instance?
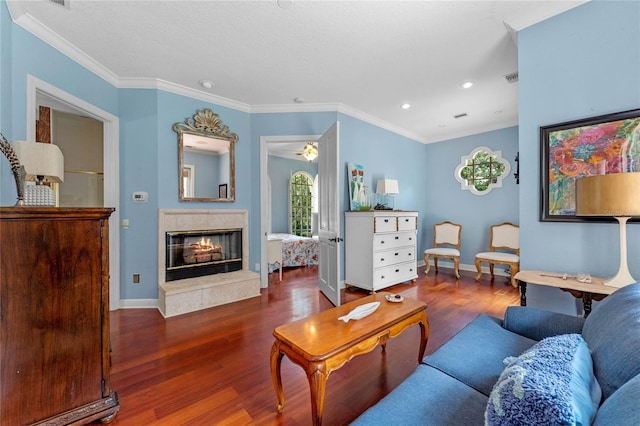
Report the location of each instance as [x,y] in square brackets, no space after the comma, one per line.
[329,214]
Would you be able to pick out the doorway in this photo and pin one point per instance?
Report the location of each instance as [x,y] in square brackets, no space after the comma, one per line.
[286,147]
[41,93]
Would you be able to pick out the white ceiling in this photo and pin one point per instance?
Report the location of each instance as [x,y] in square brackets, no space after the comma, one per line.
[364,58]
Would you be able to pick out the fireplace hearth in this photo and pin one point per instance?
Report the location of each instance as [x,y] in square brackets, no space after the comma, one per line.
[198,253]
[182,295]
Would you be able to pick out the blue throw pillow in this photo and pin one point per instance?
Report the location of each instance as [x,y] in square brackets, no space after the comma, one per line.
[552,383]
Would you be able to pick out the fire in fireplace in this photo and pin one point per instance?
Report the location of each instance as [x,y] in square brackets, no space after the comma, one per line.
[193,254]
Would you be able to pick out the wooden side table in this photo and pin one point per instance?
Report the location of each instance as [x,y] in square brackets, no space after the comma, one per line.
[595,290]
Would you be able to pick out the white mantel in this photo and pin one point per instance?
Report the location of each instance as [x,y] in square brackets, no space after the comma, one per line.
[192,294]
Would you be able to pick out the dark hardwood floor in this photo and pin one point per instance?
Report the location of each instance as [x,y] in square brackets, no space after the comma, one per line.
[212,367]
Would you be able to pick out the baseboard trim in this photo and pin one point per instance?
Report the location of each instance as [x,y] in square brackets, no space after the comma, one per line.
[468,267]
[138,304]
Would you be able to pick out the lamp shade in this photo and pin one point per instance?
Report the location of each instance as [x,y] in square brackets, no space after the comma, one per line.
[616,195]
[387,186]
[40,159]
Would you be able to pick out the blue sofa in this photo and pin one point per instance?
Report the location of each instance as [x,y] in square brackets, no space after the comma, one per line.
[470,379]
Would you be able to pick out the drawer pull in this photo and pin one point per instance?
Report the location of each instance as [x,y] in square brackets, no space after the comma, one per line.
[410,254]
[397,270]
[382,259]
[406,220]
[397,238]
[382,277]
[382,242]
[396,254]
[410,238]
[386,221]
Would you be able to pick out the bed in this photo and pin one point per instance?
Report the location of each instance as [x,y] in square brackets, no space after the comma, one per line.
[296,251]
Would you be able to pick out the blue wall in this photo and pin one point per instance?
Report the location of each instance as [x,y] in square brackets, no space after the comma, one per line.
[476,213]
[582,63]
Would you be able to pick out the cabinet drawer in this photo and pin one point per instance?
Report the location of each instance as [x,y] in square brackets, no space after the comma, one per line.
[391,257]
[385,224]
[407,223]
[398,239]
[394,274]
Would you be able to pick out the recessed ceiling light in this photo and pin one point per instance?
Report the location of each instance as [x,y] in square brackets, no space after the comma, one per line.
[467,84]
[406,106]
[207,84]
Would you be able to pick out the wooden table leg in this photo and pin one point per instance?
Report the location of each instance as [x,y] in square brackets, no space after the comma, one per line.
[276,361]
[586,303]
[317,375]
[523,293]
[424,335]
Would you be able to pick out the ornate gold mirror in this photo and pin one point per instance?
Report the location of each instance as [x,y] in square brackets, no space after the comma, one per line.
[206,159]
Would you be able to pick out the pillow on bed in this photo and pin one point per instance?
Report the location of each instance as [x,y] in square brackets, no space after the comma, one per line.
[552,383]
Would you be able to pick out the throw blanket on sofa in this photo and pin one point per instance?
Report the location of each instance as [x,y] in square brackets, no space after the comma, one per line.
[551,383]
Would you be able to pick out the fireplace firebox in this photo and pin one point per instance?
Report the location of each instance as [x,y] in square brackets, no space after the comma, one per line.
[193,254]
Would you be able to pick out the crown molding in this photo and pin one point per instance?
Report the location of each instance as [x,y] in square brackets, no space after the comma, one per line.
[44,33]
[35,27]
[340,108]
[178,89]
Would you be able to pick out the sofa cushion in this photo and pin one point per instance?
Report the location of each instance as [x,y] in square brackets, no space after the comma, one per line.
[475,354]
[551,383]
[621,408]
[612,332]
[427,397]
[538,323]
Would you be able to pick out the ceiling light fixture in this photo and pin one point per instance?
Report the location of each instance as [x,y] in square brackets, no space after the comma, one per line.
[406,106]
[207,84]
[467,84]
[310,152]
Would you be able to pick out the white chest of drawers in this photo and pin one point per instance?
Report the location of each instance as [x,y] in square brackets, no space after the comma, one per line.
[380,248]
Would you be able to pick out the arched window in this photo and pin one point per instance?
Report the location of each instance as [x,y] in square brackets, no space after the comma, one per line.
[300,204]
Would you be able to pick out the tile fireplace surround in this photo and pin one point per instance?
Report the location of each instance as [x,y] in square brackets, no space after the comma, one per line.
[192,294]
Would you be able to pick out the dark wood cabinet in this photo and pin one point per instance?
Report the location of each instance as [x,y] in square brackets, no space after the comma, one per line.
[54,316]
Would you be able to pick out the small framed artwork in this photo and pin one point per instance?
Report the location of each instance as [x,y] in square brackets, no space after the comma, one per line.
[600,145]
[222,191]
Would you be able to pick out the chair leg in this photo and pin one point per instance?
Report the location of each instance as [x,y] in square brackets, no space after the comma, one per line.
[456,266]
[479,269]
[435,262]
[491,270]
[426,264]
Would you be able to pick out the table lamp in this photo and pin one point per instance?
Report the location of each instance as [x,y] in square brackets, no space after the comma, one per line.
[386,188]
[42,162]
[612,195]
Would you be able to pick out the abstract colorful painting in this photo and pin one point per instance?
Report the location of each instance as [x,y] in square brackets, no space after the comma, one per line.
[599,145]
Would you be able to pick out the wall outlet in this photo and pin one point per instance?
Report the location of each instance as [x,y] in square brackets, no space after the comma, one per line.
[136,278]
[257,268]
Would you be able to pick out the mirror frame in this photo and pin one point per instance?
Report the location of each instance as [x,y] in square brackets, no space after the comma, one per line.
[206,123]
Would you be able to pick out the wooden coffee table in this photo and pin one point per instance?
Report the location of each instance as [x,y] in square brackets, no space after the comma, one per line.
[321,343]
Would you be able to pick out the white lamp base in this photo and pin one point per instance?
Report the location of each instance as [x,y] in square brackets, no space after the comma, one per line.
[39,195]
[623,277]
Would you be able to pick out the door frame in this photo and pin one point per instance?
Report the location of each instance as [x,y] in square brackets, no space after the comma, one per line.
[111,145]
[265,216]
